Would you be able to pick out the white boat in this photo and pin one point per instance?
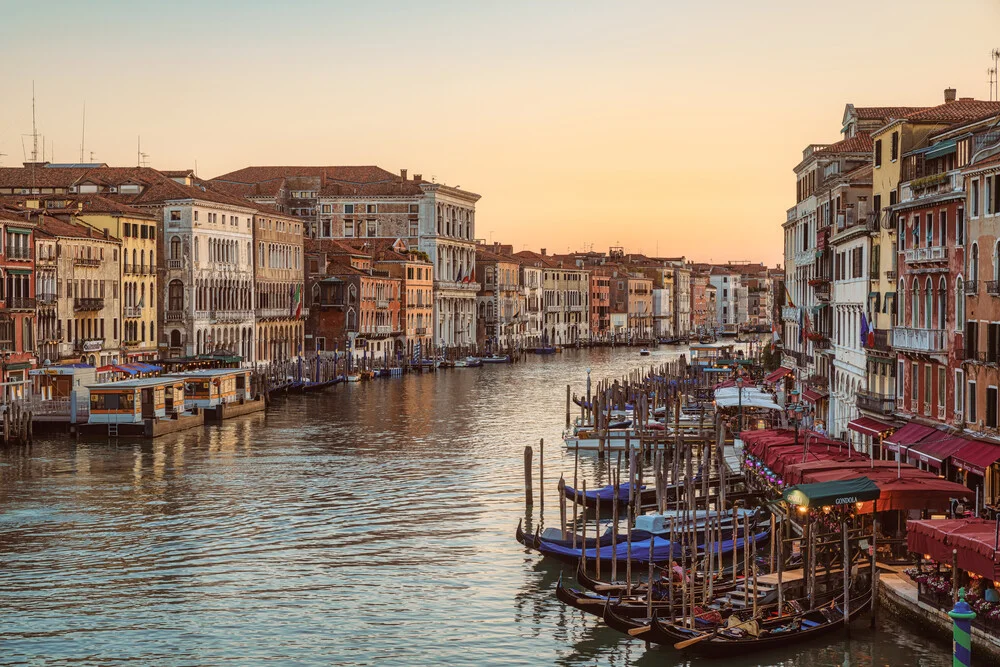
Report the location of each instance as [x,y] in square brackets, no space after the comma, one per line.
[643,352]
[354,378]
[495,359]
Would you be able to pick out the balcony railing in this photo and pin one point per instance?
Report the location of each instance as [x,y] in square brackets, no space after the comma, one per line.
[46,298]
[420,331]
[790,313]
[878,403]
[14,252]
[133,311]
[382,304]
[88,345]
[174,264]
[993,287]
[822,344]
[881,343]
[19,303]
[919,340]
[890,275]
[972,287]
[231,315]
[89,303]
[978,356]
[933,254]
[173,316]
[86,261]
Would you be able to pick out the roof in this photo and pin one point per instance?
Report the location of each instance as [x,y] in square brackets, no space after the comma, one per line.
[859,143]
[51,226]
[206,372]
[884,113]
[837,493]
[334,181]
[961,110]
[134,384]
[971,542]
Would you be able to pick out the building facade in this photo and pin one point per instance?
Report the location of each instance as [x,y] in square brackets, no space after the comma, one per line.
[278,274]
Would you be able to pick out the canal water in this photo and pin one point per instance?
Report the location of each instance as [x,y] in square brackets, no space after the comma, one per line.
[369,525]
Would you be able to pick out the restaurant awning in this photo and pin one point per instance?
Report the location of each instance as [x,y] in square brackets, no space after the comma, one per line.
[846,492]
[870,426]
[909,435]
[814,396]
[974,540]
[777,374]
[935,450]
[976,456]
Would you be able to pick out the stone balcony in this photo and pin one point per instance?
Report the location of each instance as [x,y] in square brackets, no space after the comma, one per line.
[173,316]
[133,311]
[88,304]
[931,254]
[790,313]
[930,341]
[880,404]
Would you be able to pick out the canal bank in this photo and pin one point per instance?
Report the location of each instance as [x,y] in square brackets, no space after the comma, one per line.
[370,524]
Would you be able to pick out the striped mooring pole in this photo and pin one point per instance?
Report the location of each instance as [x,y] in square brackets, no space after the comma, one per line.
[961,616]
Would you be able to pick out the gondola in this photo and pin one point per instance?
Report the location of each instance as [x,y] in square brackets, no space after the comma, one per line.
[720,587]
[627,607]
[774,633]
[533,541]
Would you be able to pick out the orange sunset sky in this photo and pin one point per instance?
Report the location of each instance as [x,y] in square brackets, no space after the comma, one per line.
[666,127]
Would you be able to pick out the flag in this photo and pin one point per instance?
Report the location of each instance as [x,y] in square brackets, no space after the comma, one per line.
[296,300]
[864,330]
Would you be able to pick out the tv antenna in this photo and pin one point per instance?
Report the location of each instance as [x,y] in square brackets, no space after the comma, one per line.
[994,83]
[142,159]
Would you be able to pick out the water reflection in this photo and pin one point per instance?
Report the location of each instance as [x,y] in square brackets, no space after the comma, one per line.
[372,524]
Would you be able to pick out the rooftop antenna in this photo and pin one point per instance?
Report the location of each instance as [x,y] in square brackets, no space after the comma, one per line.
[34,128]
[995,83]
[141,158]
[83,132]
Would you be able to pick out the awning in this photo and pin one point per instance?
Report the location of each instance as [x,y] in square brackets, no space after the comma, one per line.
[777,374]
[106,369]
[870,426]
[976,456]
[973,540]
[909,435]
[814,396]
[846,492]
[940,149]
[126,368]
[934,451]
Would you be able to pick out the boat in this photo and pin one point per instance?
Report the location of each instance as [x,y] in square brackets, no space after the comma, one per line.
[643,352]
[353,377]
[495,359]
[548,349]
[554,536]
[633,606]
[762,635]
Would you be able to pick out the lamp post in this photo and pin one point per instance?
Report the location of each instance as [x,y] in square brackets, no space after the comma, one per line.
[739,388]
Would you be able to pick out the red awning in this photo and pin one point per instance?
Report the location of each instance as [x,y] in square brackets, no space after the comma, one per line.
[909,435]
[814,396]
[777,374]
[105,369]
[973,539]
[933,451]
[869,426]
[976,456]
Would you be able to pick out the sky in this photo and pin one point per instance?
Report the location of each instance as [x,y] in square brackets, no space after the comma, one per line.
[669,128]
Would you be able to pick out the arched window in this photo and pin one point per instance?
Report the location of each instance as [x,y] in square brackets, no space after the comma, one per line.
[315,294]
[176,295]
[959,303]
[175,338]
[352,294]
[915,305]
[942,306]
[352,320]
[928,303]
[916,231]
[974,263]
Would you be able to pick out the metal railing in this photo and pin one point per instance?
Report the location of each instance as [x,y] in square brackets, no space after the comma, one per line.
[882,404]
[20,303]
[86,261]
[993,287]
[972,287]
[14,252]
[46,298]
[133,311]
[88,303]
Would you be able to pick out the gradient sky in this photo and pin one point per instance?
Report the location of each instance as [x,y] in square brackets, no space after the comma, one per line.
[666,126]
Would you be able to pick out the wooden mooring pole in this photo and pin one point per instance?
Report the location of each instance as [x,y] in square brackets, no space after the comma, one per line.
[527,478]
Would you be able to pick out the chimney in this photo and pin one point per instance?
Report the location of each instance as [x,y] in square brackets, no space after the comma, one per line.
[402,174]
[949,95]
[105,233]
[418,177]
[543,252]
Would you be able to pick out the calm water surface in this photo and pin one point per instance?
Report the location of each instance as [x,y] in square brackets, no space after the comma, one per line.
[370,525]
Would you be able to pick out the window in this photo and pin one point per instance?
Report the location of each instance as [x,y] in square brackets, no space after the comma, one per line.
[991,407]
[959,393]
[972,402]
[959,302]
[372,227]
[974,199]
[176,295]
[927,389]
[878,153]
[988,195]
[930,229]
[960,227]
[349,209]
[894,147]
[175,216]
[974,263]
[371,208]
[941,389]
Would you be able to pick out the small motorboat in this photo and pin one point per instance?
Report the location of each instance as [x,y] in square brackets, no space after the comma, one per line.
[353,377]
[495,359]
[643,352]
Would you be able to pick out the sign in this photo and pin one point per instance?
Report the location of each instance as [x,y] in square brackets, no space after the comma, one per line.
[92,345]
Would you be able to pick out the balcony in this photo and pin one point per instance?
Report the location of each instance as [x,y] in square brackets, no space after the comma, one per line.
[21,254]
[175,264]
[173,316]
[932,254]
[133,311]
[790,313]
[993,287]
[930,341]
[19,303]
[978,356]
[890,275]
[231,315]
[88,304]
[86,261]
[46,299]
[971,287]
[822,344]
[382,304]
[822,292]
[455,285]
[420,331]
[278,313]
[881,343]
[881,404]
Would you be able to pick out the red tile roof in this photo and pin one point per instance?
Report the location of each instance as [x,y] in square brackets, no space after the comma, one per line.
[884,113]
[51,226]
[859,143]
[956,112]
[334,181]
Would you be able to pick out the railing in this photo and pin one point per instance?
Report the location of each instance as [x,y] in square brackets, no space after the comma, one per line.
[919,340]
[822,292]
[175,263]
[420,331]
[972,287]
[46,299]
[882,404]
[383,329]
[86,261]
[932,254]
[382,304]
[14,252]
[173,316]
[275,313]
[993,287]
[881,343]
[978,356]
[231,315]
[822,344]
[89,303]
[890,275]
[790,313]
[19,303]
[133,311]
